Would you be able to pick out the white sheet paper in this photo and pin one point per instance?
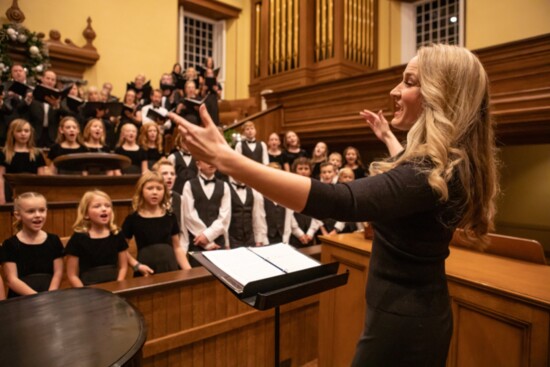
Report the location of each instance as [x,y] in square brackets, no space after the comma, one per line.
[242,265]
[285,257]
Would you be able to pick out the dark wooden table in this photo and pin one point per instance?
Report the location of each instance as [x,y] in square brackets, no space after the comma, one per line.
[99,162]
[71,327]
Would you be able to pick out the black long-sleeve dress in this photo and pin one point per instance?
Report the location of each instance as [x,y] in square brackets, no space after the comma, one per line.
[409,321]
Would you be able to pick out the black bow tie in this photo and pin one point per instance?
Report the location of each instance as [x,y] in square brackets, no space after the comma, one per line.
[186,154]
[206,182]
[240,187]
[251,141]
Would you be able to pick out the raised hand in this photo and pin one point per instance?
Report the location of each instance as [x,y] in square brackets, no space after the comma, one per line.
[381,128]
[205,143]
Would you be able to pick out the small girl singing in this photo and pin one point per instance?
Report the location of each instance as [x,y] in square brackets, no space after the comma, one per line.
[155,228]
[97,251]
[33,258]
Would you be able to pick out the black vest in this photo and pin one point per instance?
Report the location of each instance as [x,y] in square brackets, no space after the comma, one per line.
[275,218]
[329,224]
[303,222]
[184,172]
[207,209]
[256,154]
[240,229]
[350,227]
[176,207]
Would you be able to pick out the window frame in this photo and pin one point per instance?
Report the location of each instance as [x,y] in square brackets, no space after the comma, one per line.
[408,27]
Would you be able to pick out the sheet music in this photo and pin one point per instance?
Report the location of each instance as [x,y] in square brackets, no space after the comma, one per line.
[285,257]
[242,265]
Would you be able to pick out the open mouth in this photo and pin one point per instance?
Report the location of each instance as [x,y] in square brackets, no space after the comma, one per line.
[397,109]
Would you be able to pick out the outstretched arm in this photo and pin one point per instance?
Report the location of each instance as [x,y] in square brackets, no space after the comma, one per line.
[208,144]
[381,128]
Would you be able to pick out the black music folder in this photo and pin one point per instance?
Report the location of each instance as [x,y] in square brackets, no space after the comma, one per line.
[269,276]
[156,115]
[19,88]
[190,103]
[74,103]
[41,92]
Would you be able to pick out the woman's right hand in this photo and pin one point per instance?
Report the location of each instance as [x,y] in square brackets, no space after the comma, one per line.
[378,123]
[381,128]
[145,270]
[205,143]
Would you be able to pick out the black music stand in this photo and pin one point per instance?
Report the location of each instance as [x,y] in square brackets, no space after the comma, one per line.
[279,290]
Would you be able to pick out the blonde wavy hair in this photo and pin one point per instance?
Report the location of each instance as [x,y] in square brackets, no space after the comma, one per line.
[88,131]
[9,148]
[123,129]
[82,223]
[454,133]
[142,140]
[150,176]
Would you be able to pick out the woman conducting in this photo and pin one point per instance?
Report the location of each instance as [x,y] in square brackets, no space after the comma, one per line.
[443,177]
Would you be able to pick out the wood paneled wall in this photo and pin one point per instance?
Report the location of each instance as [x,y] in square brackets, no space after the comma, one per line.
[520,83]
[61,217]
[501,307]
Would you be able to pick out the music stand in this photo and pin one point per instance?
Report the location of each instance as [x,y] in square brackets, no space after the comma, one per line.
[279,290]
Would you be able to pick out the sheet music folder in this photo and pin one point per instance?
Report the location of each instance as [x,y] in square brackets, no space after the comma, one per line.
[274,291]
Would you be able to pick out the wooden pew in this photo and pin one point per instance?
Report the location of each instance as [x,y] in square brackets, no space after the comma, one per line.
[507,246]
[194,320]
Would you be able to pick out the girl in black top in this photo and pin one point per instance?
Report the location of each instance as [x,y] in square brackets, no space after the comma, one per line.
[274,150]
[319,156]
[68,142]
[444,177]
[97,251]
[33,258]
[153,223]
[150,140]
[94,137]
[130,114]
[292,149]
[128,147]
[353,161]
[19,156]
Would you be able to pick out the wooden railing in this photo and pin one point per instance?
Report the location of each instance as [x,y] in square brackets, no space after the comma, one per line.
[193,320]
[253,117]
